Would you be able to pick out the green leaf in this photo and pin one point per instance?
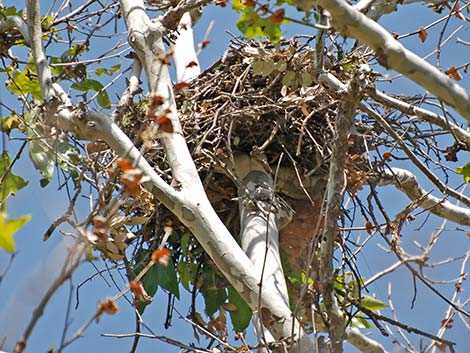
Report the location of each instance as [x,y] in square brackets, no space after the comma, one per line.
[184,274]
[23,83]
[87,85]
[103,71]
[150,281]
[372,303]
[167,278]
[465,172]
[103,100]
[9,11]
[242,316]
[93,85]
[75,50]
[9,123]
[214,296]
[185,241]
[9,228]
[42,159]
[11,182]
[252,25]
[238,5]
[361,322]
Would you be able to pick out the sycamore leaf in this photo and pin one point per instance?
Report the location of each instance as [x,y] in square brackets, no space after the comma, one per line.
[109,72]
[238,5]
[465,172]
[252,25]
[103,100]
[93,85]
[453,73]
[278,16]
[214,296]
[11,183]
[361,322]
[43,160]
[9,11]
[242,315]
[9,228]
[372,303]
[9,123]
[23,83]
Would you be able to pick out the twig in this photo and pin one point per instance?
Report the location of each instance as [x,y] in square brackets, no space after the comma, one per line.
[161,338]
[74,258]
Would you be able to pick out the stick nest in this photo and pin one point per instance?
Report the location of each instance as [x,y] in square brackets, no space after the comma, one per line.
[261,98]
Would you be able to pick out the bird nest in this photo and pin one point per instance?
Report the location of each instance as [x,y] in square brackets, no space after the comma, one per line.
[260,98]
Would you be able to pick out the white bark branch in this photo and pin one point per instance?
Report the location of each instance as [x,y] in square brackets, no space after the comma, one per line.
[133,87]
[362,342]
[393,55]
[35,35]
[259,218]
[15,22]
[192,206]
[184,55]
[405,181]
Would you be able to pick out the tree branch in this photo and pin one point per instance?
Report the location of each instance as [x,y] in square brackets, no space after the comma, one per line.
[405,181]
[184,55]
[427,115]
[332,82]
[335,190]
[393,55]
[259,218]
[35,35]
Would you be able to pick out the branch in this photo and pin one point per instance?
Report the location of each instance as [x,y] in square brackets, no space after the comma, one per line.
[393,55]
[363,343]
[405,181]
[185,57]
[31,297]
[133,88]
[71,263]
[335,190]
[171,19]
[416,161]
[427,115]
[332,82]
[260,214]
[35,35]
[15,22]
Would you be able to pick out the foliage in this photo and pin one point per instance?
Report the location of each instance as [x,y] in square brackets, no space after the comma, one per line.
[9,185]
[465,172]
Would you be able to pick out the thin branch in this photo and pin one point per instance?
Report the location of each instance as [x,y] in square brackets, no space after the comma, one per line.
[412,156]
[335,190]
[406,181]
[73,260]
[427,115]
[161,338]
[392,54]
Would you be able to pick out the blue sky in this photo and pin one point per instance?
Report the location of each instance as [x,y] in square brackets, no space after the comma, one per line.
[47,204]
